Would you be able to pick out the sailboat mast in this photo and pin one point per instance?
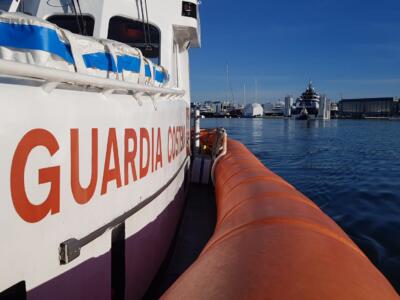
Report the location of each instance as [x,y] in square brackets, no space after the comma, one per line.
[244,94]
[227,82]
[256,91]
[229,90]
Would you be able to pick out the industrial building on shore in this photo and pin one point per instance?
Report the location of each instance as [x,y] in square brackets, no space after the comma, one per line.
[385,107]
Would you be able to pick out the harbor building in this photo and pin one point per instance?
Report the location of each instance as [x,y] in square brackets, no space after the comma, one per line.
[369,107]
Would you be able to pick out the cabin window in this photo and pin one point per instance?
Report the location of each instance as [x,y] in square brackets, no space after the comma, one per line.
[79,24]
[136,34]
[5,4]
[189,9]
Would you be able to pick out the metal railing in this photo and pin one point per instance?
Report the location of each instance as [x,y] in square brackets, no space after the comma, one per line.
[53,78]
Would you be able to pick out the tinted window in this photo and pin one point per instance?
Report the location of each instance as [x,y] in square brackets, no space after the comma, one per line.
[77,24]
[189,9]
[5,4]
[136,34]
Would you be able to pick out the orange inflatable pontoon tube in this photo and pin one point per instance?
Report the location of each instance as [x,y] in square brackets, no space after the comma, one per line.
[272,242]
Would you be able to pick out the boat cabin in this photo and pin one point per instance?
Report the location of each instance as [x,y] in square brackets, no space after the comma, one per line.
[162,30]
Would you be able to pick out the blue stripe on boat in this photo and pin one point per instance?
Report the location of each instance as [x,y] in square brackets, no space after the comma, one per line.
[159,76]
[34,37]
[129,63]
[100,60]
[147,71]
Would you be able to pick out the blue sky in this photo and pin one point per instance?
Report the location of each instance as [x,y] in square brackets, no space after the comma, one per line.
[349,48]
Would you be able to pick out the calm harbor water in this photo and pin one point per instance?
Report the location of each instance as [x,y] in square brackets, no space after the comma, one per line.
[350,168]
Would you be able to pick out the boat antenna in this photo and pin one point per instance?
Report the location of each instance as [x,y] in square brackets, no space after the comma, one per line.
[149,46]
[82,18]
[72,3]
[146,26]
[143,23]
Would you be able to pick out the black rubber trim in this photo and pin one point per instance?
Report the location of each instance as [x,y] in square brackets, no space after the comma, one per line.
[16,292]
[70,249]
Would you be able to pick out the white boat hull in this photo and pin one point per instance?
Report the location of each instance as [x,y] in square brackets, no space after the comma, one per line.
[69,167]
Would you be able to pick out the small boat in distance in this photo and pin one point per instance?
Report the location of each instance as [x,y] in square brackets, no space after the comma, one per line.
[303,114]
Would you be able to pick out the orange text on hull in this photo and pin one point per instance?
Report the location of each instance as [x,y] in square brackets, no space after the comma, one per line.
[142,155]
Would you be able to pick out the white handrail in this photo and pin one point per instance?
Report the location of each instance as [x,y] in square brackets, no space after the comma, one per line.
[11,68]
[14,6]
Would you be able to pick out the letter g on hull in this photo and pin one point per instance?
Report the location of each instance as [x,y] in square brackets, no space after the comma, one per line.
[30,212]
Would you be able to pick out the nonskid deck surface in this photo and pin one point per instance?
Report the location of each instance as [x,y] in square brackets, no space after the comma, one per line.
[195,230]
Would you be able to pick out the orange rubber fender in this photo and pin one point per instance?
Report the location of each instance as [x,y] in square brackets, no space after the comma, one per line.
[208,137]
[272,242]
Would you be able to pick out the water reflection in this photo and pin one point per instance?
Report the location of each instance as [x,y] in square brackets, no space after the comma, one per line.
[256,128]
[350,168]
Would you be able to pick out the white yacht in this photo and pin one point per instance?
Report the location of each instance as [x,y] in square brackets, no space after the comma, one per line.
[307,105]
[253,110]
